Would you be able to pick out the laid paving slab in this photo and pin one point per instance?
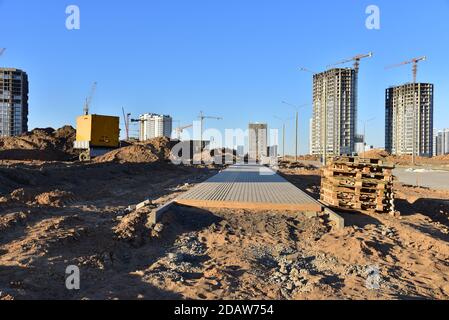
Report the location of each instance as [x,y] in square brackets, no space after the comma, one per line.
[250,187]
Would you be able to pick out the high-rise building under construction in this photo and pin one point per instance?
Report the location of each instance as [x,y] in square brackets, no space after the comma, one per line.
[13,102]
[334,121]
[258,141]
[409,119]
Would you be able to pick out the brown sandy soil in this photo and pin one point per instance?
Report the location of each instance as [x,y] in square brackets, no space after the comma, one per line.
[439,161]
[59,214]
[412,253]
[40,144]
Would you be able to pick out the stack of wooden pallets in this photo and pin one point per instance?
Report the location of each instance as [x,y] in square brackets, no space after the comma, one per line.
[353,183]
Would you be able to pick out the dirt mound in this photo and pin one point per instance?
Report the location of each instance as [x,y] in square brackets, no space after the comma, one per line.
[40,144]
[154,150]
[54,198]
[444,158]
[162,147]
[131,154]
[375,154]
[407,160]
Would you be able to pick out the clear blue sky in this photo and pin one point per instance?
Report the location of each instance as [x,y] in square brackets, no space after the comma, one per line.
[232,58]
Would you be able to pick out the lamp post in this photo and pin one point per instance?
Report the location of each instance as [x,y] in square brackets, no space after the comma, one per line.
[297,108]
[364,133]
[283,133]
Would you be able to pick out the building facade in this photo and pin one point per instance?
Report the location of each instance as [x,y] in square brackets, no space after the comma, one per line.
[258,141]
[13,102]
[334,121]
[155,126]
[409,119]
[441,142]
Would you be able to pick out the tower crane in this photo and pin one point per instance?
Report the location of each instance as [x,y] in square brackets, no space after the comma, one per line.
[355,59]
[414,61]
[306,70]
[126,118]
[89,98]
[180,130]
[202,117]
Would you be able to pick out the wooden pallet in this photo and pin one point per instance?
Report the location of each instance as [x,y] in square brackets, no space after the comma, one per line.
[353,183]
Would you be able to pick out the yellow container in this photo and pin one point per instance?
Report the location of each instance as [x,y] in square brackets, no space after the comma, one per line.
[99,131]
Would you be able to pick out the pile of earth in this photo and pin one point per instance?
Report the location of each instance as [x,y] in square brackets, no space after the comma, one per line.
[375,154]
[40,144]
[405,159]
[154,150]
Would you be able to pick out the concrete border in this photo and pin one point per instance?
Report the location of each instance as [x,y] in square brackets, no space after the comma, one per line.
[304,207]
[336,218]
[156,215]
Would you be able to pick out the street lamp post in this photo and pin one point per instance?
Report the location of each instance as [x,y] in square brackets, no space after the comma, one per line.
[364,133]
[283,134]
[297,108]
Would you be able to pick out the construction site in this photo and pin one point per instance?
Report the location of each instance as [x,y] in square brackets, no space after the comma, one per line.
[140,227]
[145,214]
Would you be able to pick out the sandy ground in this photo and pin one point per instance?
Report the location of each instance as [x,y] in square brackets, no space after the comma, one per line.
[56,214]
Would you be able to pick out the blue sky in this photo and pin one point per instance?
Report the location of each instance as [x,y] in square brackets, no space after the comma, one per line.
[237,59]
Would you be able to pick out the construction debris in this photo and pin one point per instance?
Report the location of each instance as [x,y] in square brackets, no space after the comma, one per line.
[353,183]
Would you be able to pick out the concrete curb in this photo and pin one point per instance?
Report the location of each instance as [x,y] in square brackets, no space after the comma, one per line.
[336,218]
[156,214]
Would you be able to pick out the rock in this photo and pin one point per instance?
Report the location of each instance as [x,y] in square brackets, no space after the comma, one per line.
[283,270]
[294,273]
[158,227]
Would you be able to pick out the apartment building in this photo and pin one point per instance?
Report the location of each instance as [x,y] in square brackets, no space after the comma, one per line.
[441,142]
[409,119]
[258,141]
[334,120]
[13,102]
[155,126]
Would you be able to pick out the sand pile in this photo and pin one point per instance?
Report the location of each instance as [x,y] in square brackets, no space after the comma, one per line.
[407,160]
[444,158]
[375,154]
[130,154]
[40,144]
[154,150]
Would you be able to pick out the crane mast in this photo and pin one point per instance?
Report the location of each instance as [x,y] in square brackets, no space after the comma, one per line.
[89,99]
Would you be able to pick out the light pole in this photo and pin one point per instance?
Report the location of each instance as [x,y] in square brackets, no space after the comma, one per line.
[283,134]
[297,108]
[364,133]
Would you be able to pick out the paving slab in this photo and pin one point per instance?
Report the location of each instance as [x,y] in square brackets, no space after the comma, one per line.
[250,187]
